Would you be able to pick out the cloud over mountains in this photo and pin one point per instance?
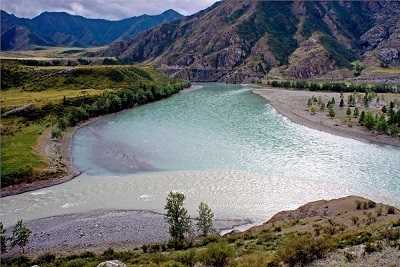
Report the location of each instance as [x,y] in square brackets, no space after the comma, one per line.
[114,9]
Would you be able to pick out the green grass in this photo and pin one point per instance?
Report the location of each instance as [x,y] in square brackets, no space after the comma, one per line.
[18,161]
[391,70]
[15,98]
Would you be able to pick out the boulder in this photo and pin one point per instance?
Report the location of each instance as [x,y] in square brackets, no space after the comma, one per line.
[112,263]
[354,253]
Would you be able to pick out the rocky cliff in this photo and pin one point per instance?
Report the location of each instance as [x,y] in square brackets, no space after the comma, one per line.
[240,41]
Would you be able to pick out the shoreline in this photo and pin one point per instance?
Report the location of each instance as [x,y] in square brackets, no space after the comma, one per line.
[121,230]
[101,229]
[289,103]
[292,104]
[46,147]
[51,150]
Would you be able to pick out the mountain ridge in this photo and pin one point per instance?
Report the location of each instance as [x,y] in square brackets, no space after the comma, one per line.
[63,29]
[244,41]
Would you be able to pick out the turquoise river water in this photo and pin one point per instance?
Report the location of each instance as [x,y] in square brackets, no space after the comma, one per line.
[220,144]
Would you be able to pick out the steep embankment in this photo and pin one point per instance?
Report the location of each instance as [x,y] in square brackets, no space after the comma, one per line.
[241,41]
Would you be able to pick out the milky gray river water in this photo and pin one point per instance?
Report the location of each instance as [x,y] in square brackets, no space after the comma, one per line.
[220,144]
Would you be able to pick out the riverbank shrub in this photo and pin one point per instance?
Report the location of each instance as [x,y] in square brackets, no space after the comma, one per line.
[304,249]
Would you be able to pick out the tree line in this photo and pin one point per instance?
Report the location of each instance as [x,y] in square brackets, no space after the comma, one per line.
[335,87]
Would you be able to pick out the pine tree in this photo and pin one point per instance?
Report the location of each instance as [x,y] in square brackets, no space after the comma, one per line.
[341,103]
[331,112]
[369,120]
[356,112]
[362,118]
[381,124]
[348,112]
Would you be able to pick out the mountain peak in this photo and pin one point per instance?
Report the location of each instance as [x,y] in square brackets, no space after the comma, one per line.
[61,28]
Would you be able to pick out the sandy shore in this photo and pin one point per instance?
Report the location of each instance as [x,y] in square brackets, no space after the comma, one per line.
[293,104]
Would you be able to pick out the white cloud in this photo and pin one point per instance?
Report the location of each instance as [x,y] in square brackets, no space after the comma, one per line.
[113,9]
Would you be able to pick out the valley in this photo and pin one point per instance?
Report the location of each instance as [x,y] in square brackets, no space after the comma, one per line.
[254,107]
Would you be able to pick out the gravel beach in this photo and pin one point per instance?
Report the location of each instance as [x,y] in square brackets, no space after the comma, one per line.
[98,230]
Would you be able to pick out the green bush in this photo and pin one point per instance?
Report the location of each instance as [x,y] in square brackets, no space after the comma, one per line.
[172,264]
[20,261]
[216,254]
[390,233]
[354,238]
[76,263]
[300,250]
[45,258]
[210,239]
[187,258]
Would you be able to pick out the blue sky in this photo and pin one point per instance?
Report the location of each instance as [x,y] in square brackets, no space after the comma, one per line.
[105,9]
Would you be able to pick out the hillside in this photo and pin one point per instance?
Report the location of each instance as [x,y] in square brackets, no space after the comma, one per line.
[241,41]
[63,29]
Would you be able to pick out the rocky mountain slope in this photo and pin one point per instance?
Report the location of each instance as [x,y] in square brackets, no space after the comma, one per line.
[239,41]
[63,29]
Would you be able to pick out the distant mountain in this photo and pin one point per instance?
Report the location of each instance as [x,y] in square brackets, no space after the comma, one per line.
[238,41]
[63,29]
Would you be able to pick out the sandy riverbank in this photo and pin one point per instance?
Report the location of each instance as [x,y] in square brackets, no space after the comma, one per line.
[293,104]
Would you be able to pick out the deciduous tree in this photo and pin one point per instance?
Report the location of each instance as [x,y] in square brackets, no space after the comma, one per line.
[177,216]
[20,236]
[205,223]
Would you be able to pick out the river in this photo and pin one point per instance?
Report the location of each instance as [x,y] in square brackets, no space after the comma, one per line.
[220,144]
